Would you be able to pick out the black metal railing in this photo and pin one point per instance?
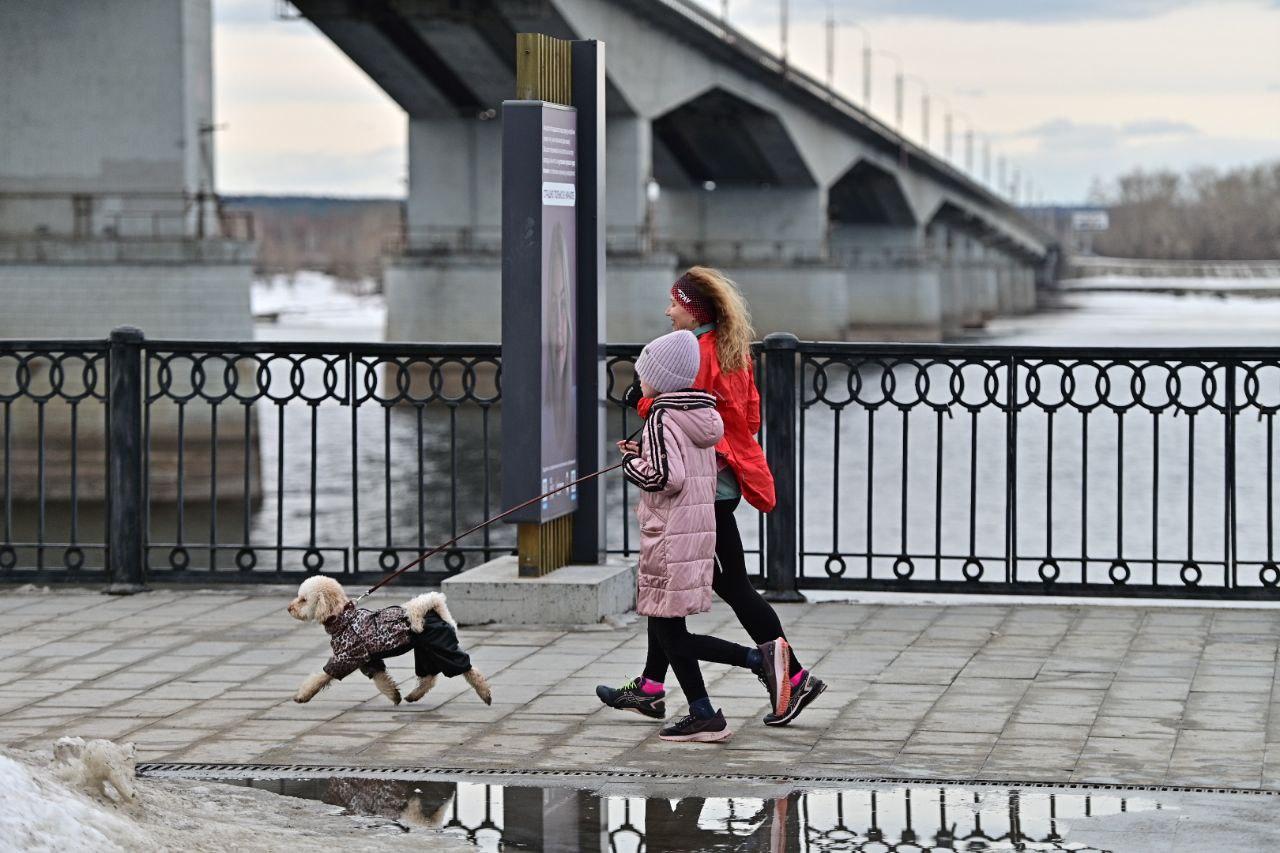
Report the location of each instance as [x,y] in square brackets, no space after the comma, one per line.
[53,388]
[1117,471]
[898,467]
[350,459]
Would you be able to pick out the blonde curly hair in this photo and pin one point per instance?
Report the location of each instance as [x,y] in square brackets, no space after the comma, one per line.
[733,318]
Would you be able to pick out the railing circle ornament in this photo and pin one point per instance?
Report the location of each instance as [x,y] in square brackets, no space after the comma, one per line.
[179,558]
[8,557]
[903,568]
[454,560]
[1191,573]
[1049,571]
[972,569]
[73,558]
[1269,574]
[388,560]
[1119,573]
[246,559]
[834,560]
[313,560]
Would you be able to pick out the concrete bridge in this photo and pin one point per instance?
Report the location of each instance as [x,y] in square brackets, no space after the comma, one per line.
[835,225]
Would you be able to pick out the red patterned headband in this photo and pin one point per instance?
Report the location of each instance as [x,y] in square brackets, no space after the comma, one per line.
[687,297]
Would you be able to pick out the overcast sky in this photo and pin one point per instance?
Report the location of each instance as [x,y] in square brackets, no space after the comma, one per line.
[1069,90]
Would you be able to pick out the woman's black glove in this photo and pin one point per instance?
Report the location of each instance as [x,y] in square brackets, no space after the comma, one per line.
[633,395]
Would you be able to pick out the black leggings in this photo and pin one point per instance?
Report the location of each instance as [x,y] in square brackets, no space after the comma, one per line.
[731,583]
[684,650]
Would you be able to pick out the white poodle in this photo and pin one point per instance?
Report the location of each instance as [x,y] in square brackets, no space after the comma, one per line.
[362,639]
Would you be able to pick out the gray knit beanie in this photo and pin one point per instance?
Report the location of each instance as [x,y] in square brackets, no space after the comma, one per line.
[669,363]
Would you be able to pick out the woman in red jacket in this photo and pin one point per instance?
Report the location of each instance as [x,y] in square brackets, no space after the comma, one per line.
[707,303]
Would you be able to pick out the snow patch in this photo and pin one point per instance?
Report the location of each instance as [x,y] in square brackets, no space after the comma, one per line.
[86,797]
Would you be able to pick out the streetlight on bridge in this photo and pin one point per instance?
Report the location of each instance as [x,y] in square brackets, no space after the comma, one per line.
[897,86]
[832,24]
[924,105]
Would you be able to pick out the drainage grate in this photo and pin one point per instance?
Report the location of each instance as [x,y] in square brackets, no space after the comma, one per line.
[314,771]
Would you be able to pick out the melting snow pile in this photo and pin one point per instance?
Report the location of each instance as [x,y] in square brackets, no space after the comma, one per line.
[87,798]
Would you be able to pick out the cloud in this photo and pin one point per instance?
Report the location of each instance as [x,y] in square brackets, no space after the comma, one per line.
[1063,134]
[1159,127]
[1035,11]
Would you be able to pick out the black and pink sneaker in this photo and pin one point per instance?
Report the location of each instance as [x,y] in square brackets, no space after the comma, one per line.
[633,697]
[775,673]
[810,688]
[694,730]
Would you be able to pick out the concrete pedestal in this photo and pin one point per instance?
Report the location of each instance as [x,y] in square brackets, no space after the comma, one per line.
[573,595]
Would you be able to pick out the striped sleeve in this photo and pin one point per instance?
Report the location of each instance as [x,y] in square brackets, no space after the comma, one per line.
[649,471]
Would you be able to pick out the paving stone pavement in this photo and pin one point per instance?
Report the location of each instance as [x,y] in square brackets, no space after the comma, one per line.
[1138,695]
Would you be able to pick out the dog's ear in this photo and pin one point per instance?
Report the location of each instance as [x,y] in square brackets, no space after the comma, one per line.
[330,599]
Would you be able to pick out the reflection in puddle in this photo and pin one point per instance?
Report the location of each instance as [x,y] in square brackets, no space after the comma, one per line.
[880,818]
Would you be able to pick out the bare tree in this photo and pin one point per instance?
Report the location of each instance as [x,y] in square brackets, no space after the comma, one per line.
[1201,215]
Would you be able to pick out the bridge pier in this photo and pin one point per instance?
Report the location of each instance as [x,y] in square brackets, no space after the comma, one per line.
[108,215]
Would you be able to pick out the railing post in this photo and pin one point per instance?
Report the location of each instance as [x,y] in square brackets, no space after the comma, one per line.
[124,463]
[780,448]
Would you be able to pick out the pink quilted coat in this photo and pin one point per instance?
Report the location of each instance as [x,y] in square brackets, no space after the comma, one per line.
[676,472]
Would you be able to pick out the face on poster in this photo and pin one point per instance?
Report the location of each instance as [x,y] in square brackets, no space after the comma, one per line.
[559,275]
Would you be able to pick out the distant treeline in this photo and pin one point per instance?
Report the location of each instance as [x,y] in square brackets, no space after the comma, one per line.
[1201,215]
[343,237]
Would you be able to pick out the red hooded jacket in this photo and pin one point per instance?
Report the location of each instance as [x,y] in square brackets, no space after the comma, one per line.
[738,403]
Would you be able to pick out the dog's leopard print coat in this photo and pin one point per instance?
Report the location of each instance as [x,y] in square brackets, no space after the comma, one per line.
[356,635]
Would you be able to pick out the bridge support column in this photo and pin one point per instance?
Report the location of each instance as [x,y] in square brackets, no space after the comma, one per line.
[639,276]
[106,190]
[446,283]
[986,281]
[944,244]
[1027,286]
[107,204]
[895,282]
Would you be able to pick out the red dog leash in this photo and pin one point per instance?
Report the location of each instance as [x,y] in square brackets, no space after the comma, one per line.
[389,578]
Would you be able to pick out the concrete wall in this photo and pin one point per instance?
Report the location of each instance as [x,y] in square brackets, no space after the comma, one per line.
[904,303]
[627,172]
[459,299]
[50,300]
[742,214]
[104,97]
[455,174]
[811,302]
[455,300]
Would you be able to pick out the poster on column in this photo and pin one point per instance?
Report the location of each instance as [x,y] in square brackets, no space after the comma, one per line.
[559,291]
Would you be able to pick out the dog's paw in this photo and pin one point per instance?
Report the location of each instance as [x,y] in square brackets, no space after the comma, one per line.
[387,687]
[480,685]
[301,697]
[425,683]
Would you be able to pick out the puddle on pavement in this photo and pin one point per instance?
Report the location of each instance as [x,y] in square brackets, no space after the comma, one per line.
[915,818]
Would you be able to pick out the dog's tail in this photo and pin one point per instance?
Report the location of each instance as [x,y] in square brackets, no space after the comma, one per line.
[418,607]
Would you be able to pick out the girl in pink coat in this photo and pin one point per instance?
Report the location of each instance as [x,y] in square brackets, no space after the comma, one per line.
[674,466]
